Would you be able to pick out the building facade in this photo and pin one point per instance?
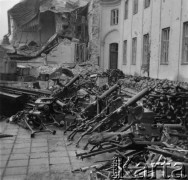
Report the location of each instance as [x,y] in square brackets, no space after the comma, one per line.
[145,37]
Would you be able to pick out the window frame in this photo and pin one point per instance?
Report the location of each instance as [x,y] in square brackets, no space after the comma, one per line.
[146,46]
[134,51]
[184,60]
[165,39]
[124,52]
[114,19]
[126,9]
[146,3]
[135,7]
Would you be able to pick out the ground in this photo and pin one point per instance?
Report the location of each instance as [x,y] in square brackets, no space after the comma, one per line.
[45,157]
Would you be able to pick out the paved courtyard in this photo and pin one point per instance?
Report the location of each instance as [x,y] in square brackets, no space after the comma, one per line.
[46,156]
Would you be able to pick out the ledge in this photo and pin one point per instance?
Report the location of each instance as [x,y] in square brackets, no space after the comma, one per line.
[110,2]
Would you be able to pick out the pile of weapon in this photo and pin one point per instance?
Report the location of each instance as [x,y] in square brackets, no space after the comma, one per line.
[79,100]
[138,83]
[118,124]
[170,104]
[41,112]
[142,160]
[112,126]
[135,142]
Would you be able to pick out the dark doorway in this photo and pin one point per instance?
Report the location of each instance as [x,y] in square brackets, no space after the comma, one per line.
[113,56]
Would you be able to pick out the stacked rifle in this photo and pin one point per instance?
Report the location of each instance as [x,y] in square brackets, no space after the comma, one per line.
[129,142]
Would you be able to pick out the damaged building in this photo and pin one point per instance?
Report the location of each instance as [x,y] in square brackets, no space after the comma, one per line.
[33,23]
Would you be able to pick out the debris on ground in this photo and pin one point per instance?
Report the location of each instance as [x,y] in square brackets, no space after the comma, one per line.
[148,127]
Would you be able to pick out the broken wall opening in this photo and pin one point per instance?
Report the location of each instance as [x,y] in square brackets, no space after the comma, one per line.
[48,26]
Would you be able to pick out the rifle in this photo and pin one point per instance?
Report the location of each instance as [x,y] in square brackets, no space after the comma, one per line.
[65,91]
[92,110]
[129,143]
[86,123]
[117,115]
[173,155]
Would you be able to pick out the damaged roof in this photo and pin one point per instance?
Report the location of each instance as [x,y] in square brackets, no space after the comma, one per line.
[59,6]
[26,12]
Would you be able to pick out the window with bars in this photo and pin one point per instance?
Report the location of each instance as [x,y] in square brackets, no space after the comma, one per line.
[134,50]
[126,9]
[114,16]
[146,3]
[165,45]
[185,44]
[146,49]
[135,6]
[125,52]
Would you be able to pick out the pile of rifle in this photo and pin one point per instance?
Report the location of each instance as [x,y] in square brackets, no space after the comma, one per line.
[79,96]
[170,104]
[116,124]
[42,111]
[127,138]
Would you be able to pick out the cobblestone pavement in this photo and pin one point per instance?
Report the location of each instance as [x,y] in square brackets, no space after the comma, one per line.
[44,157]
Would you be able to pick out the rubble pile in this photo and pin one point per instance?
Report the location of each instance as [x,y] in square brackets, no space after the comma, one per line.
[138,83]
[86,68]
[29,48]
[47,69]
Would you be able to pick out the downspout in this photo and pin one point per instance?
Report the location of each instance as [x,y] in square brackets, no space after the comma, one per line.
[179,61]
[142,33]
[101,41]
[123,12]
[131,49]
[150,38]
[159,50]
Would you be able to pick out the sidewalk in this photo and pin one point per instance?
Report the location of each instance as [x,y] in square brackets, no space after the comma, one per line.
[44,157]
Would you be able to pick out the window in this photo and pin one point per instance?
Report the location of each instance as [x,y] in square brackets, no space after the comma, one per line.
[165,45]
[134,49]
[147,3]
[135,6]
[114,16]
[185,43]
[125,52]
[126,9]
[146,49]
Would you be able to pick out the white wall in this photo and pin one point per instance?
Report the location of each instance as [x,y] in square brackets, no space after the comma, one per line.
[109,34]
[63,53]
[160,14]
[183,69]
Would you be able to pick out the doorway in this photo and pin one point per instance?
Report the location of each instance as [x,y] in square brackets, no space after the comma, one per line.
[113,56]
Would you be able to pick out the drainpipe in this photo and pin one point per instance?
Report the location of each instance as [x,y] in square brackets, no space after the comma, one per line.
[123,12]
[159,50]
[179,61]
[131,40]
[100,41]
[142,46]
[150,37]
